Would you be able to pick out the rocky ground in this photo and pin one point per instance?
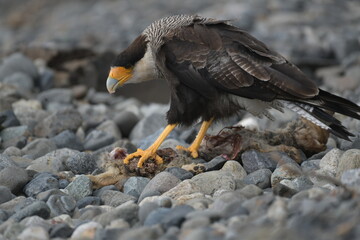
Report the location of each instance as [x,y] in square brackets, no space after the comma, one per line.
[57,128]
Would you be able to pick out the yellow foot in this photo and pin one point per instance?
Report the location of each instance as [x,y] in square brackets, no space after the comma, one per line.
[144,155]
[192,150]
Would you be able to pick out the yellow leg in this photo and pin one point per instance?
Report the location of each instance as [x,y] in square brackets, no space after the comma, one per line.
[193,148]
[151,151]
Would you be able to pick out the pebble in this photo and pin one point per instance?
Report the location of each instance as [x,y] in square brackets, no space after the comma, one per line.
[145,209]
[58,95]
[17,62]
[176,216]
[37,208]
[81,163]
[61,230]
[127,211]
[33,232]
[41,183]
[286,171]
[59,204]
[330,161]
[97,139]
[44,196]
[349,160]
[14,178]
[180,173]
[14,136]
[156,216]
[52,162]
[39,147]
[221,202]
[115,198]
[89,200]
[235,169]
[135,185]
[351,178]
[23,82]
[29,113]
[161,183]
[86,230]
[5,194]
[260,178]
[111,128]
[61,120]
[80,187]
[253,160]
[36,221]
[6,161]
[215,164]
[126,120]
[209,182]
[310,165]
[250,191]
[283,190]
[278,210]
[67,139]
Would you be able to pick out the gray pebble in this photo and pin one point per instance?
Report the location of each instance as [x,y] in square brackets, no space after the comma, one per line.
[23,82]
[5,194]
[81,163]
[161,183]
[176,216]
[80,187]
[8,120]
[126,120]
[63,183]
[209,182]
[253,160]
[251,191]
[143,233]
[285,171]
[180,173]
[89,200]
[156,216]
[58,95]
[59,204]
[349,160]
[14,136]
[100,191]
[260,178]
[227,198]
[6,161]
[12,151]
[310,165]
[64,119]
[215,164]
[14,178]
[234,209]
[67,139]
[145,209]
[37,208]
[44,196]
[17,62]
[115,198]
[135,185]
[351,178]
[283,191]
[39,147]
[127,211]
[41,183]
[97,139]
[61,230]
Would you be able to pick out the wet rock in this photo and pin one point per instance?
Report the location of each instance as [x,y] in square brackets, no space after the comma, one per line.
[65,119]
[161,183]
[81,163]
[14,178]
[286,171]
[253,160]
[52,162]
[37,208]
[260,178]
[97,139]
[135,185]
[41,183]
[5,194]
[180,173]
[59,204]
[349,160]
[80,187]
[39,147]
[67,139]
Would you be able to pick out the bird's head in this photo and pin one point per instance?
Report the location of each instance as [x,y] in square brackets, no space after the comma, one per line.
[127,65]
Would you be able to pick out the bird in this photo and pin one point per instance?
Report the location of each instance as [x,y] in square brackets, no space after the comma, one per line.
[214,70]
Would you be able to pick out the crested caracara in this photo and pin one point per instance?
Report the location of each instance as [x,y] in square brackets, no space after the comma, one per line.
[214,70]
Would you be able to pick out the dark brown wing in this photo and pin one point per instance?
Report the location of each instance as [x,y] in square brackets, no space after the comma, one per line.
[205,57]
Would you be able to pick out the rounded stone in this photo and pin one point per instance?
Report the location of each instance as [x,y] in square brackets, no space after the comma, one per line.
[349,160]
[260,178]
[41,183]
[286,171]
[135,185]
[81,163]
[14,178]
[80,187]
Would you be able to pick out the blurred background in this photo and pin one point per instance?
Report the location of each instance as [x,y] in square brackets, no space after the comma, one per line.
[75,41]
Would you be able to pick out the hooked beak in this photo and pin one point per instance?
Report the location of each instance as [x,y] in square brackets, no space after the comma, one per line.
[117,77]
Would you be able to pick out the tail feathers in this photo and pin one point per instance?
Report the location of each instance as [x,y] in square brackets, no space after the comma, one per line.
[321,118]
[338,104]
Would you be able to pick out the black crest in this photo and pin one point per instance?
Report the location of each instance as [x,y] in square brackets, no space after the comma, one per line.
[132,54]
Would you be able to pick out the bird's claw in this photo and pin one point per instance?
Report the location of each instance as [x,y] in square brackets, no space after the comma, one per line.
[191,149]
[144,155]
